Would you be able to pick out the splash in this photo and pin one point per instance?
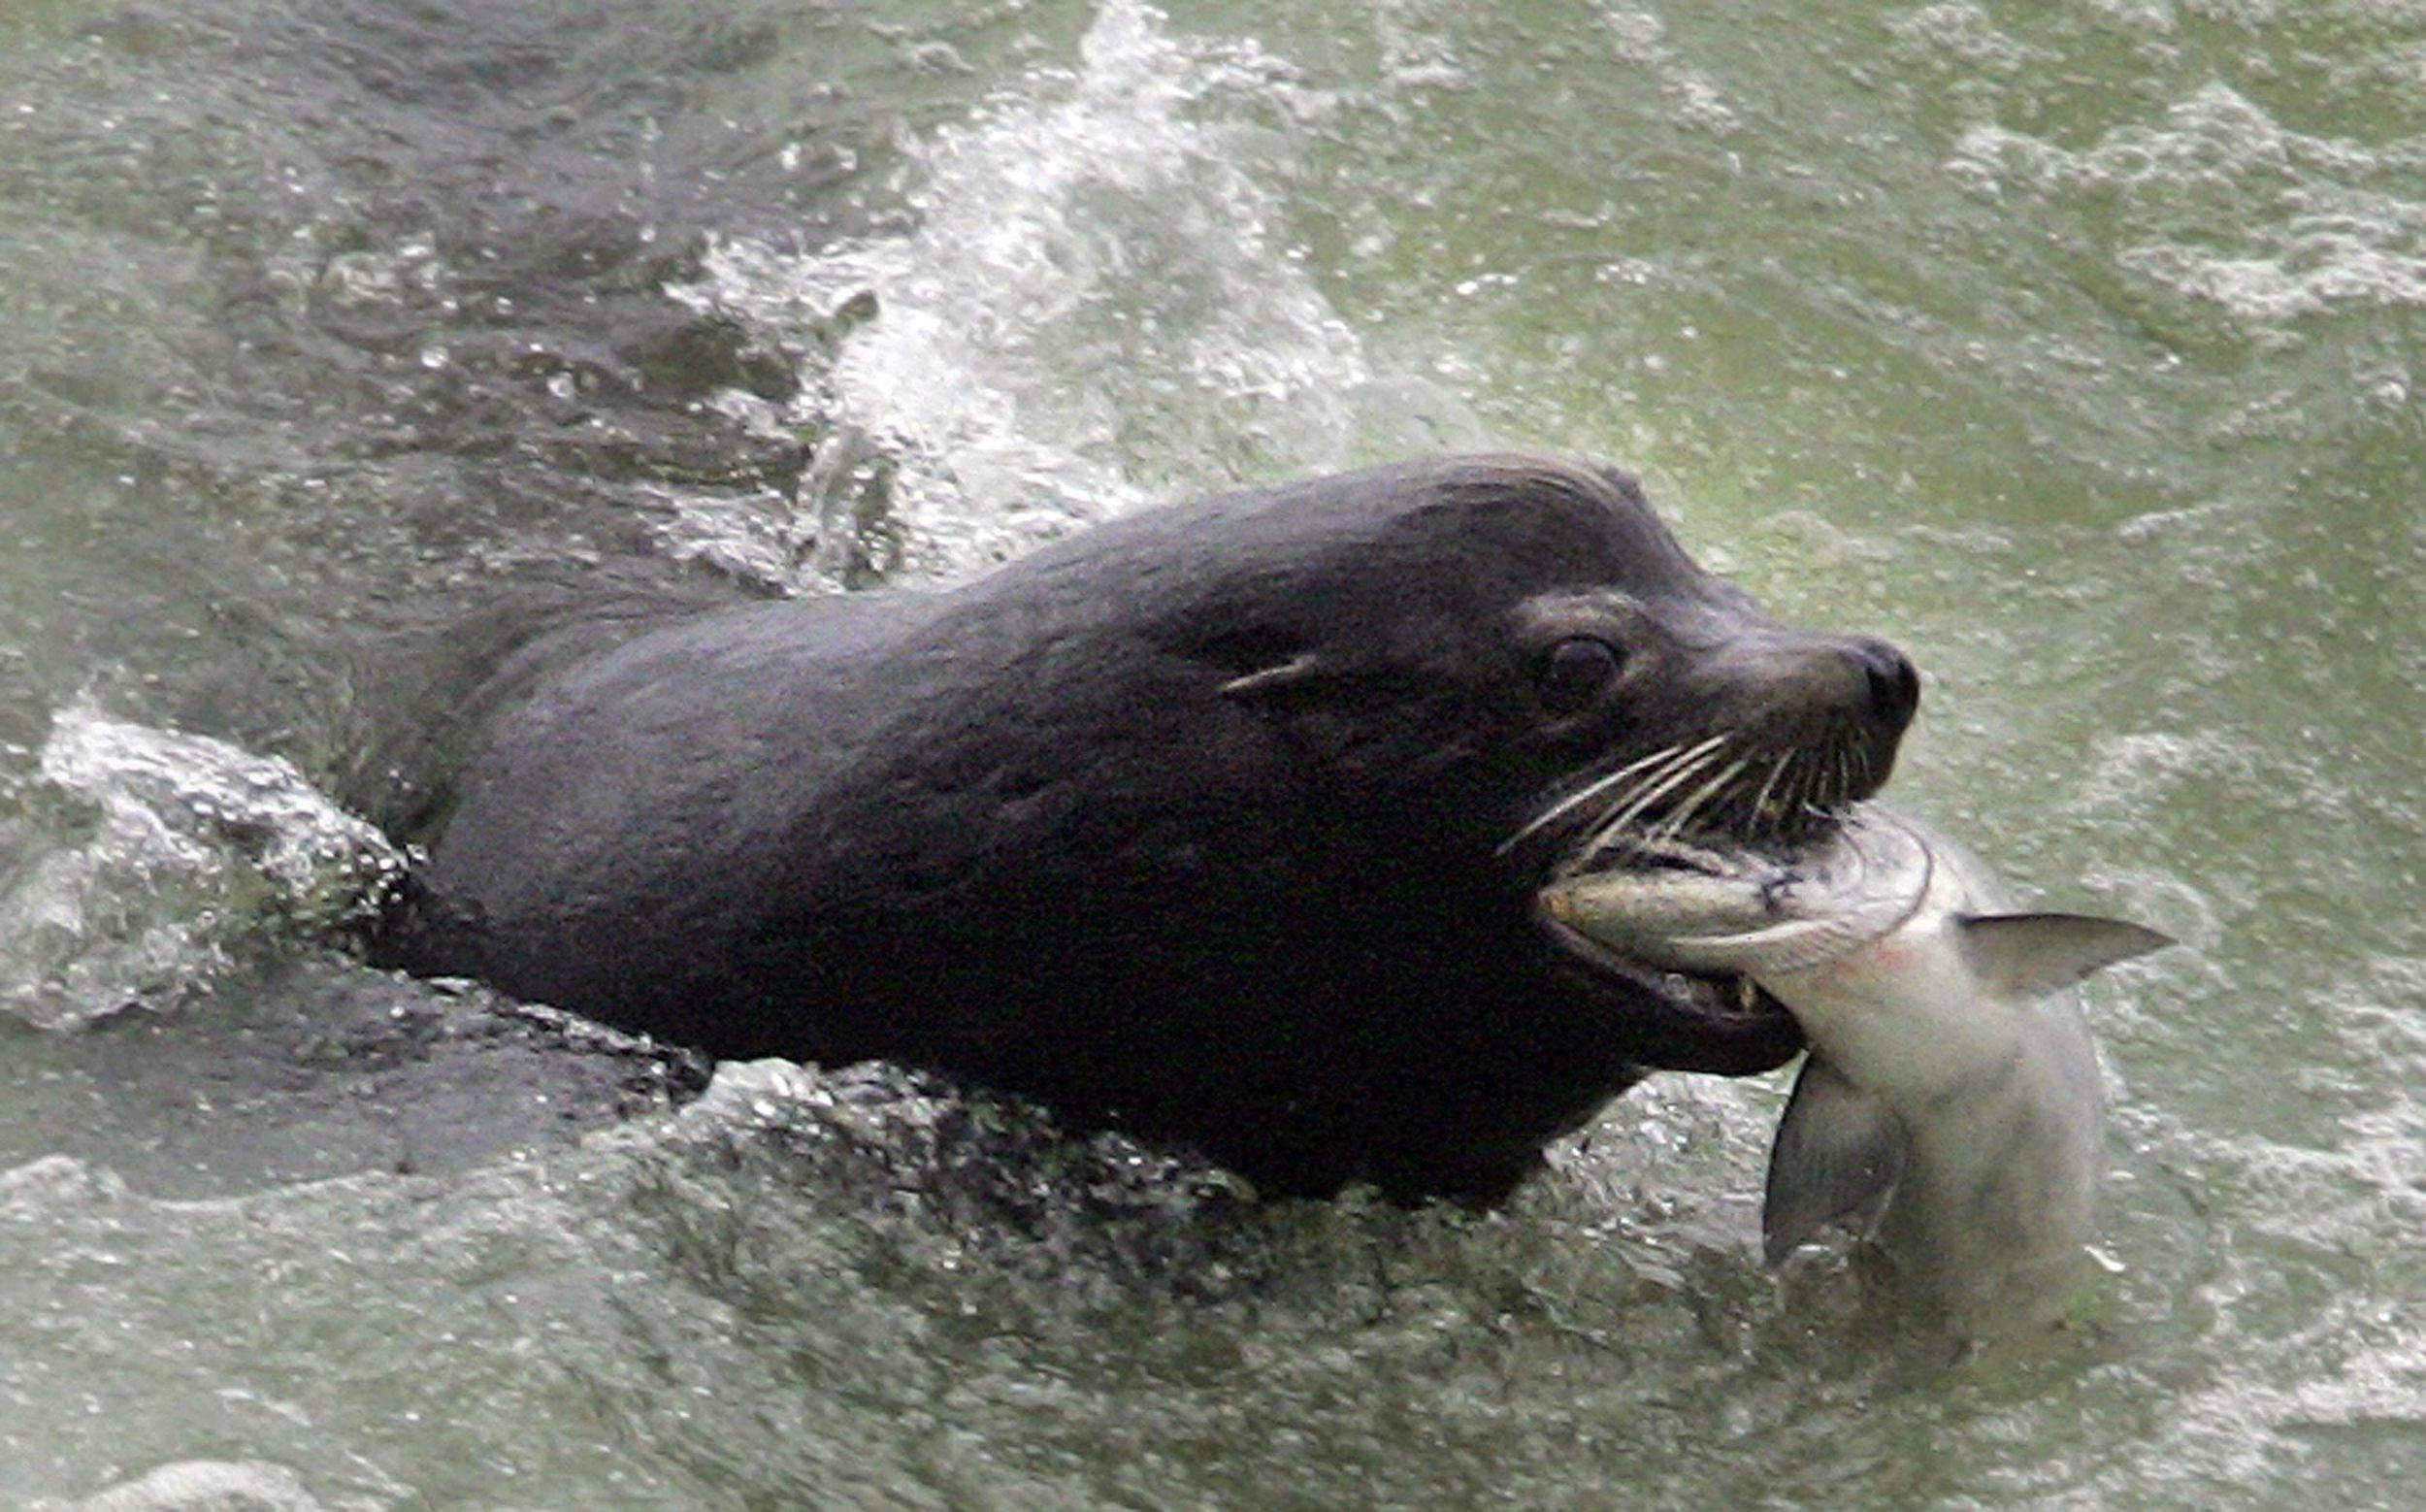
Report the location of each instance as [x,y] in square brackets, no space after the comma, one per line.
[185,847]
[196,1485]
[1638,39]
[2224,204]
[1100,304]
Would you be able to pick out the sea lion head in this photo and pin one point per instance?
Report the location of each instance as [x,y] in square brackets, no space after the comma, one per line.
[1512,657]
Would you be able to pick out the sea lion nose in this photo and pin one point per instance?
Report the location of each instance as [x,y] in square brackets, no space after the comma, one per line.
[1894,686]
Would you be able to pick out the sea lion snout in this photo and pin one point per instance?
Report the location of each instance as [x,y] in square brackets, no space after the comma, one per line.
[1761,668]
[1892,681]
[1766,729]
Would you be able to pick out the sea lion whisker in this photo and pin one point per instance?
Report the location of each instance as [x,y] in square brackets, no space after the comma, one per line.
[1648,774]
[1805,781]
[1673,824]
[1777,770]
[1612,829]
[1620,809]
[1684,755]
[1660,780]
[1584,796]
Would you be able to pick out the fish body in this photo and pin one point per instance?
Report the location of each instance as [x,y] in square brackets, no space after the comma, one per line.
[1950,1104]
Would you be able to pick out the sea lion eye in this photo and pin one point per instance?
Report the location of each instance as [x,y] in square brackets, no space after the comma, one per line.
[1574,672]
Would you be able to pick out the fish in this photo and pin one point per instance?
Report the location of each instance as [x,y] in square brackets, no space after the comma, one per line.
[1950,1107]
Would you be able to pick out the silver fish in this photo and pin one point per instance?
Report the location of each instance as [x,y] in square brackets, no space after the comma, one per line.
[1950,1101]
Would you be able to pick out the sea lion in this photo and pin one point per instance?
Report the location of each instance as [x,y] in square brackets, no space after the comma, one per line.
[1219,823]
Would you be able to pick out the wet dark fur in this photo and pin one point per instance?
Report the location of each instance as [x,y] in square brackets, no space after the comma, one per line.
[1220,823]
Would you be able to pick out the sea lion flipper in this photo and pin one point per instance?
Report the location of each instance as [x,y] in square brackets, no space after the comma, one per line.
[1838,1152]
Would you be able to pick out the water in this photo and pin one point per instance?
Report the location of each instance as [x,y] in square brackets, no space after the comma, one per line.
[2076,347]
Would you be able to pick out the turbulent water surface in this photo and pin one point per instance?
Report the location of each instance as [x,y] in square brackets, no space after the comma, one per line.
[2077,347]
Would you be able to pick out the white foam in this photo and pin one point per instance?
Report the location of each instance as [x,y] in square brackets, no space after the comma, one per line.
[188,843]
[1639,39]
[2222,203]
[1099,305]
[207,1486]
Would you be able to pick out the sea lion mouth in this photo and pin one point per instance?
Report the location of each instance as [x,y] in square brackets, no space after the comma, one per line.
[1656,851]
[1715,996]
[1719,1022]
[1716,806]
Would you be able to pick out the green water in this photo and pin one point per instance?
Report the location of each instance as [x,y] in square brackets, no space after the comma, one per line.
[2076,347]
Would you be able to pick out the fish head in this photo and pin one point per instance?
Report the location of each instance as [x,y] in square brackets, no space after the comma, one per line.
[1694,906]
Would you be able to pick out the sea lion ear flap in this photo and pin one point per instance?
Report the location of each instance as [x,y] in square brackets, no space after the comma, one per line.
[1281,677]
[2030,955]
[1263,662]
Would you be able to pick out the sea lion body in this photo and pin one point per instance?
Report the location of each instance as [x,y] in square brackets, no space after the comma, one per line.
[1219,823]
